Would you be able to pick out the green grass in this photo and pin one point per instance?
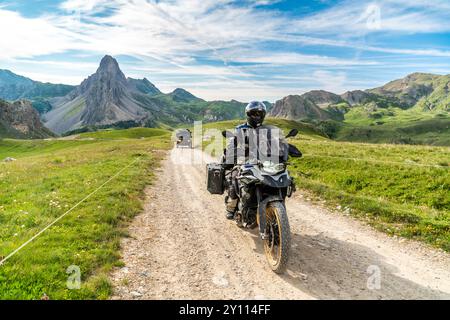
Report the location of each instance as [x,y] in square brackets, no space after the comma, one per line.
[76,109]
[24,148]
[403,190]
[48,178]
[133,133]
[400,189]
[394,125]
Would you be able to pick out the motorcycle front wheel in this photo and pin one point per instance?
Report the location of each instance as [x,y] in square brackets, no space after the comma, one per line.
[278,241]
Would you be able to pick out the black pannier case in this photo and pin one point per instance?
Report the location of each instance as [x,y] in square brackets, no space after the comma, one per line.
[216,177]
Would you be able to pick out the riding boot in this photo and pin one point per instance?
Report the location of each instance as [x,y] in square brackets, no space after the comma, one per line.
[231,206]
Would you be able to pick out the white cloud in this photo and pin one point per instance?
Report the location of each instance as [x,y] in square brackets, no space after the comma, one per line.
[361,45]
[289,58]
[50,77]
[356,18]
[83,6]
[79,65]
[25,37]
[176,29]
[242,93]
[331,81]
[200,38]
[197,70]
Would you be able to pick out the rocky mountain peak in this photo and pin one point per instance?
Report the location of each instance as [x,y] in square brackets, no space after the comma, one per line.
[109,70]
[297,107]
[108,62]
[322,98]
[181,95]
[104,98]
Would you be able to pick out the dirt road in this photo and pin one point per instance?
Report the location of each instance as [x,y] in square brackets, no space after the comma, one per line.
[182,247]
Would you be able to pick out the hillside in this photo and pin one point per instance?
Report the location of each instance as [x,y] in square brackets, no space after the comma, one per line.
[412,110]
[20,120]
[398,127]
[410,90]
[181,95]
[313,105]
[14,87]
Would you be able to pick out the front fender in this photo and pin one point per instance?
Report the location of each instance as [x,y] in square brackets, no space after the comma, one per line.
[273,198]
[262,205]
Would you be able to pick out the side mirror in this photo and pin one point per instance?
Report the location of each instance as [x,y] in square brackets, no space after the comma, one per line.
[227,134]
[294,152]
[292,133]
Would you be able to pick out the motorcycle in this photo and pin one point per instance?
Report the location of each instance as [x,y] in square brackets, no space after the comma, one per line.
[262,188]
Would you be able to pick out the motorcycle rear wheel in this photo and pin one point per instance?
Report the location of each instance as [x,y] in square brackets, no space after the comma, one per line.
[278,242]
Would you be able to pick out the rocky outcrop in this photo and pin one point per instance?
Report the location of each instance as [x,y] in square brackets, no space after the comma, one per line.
[21,120]
[296,107]
[322,98]
[143,86]
[356,97]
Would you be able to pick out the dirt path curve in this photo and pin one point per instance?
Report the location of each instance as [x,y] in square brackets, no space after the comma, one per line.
[182,247]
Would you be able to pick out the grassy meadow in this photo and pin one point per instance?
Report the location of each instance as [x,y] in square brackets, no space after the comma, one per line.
[50,177]
[403,190]
[397,126]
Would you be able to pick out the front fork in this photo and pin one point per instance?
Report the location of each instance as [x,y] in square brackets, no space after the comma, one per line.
[262,214]
[262,205]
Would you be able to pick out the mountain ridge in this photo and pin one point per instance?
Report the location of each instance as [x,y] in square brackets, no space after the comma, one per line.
[109,98]
[420,91]
[15,87]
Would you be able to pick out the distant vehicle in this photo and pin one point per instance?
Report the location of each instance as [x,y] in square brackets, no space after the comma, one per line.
[184,138]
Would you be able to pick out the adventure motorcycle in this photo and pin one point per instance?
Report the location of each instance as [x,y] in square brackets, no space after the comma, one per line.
[262,188]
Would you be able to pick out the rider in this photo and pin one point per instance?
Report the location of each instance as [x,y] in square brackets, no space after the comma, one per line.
[256,112]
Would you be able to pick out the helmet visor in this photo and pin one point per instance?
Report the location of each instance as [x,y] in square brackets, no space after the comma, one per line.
[255,118]
[256,114]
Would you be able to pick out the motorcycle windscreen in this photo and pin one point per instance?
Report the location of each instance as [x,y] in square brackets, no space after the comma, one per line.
[280,181]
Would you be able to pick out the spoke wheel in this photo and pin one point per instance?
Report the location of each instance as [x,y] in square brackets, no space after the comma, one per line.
[278,241]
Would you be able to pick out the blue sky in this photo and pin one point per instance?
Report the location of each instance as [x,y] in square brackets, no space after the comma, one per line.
[228,49]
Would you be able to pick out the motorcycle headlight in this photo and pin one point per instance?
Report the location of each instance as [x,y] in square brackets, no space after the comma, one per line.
[273,168]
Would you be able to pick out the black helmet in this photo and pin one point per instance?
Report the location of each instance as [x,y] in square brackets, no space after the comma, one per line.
[256,112]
